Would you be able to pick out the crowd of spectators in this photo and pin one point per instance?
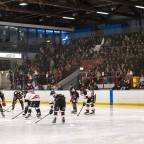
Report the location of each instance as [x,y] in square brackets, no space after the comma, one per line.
[54,62]
[122,58]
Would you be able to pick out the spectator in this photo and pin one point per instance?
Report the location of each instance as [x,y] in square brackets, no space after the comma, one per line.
[49,87]
[141,82]
[115,87]
[127,85]
[95,86]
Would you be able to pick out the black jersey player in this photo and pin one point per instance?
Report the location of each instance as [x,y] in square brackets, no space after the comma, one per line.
[18,95]
[2,102]
[29,86]
[58,104]
[74,98]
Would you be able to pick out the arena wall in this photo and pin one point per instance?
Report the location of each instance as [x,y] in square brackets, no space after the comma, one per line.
[103,97]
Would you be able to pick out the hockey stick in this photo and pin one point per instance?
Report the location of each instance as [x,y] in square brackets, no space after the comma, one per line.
[18,114]
[80,111]
[7,108]
[4,110]
[42,118]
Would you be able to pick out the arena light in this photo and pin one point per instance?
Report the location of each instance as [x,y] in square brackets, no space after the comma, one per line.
[69,18]
[104,13]
[23,4]
[81,68]
[142,7]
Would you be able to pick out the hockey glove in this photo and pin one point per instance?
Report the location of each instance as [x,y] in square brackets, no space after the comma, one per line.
[3,103]
[51,111]
[71,100]
[14,102]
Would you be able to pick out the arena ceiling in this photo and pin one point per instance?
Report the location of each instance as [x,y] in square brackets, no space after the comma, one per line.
[84,12]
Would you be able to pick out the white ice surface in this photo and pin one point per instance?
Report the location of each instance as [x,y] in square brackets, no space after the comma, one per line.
[110,125]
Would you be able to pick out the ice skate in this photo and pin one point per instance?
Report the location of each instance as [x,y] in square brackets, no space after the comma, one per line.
[54,120]
[92,112]
[2,114]
[38,115]
[24,114]
[63,120]
[74,112]
[87,112]
[28,116]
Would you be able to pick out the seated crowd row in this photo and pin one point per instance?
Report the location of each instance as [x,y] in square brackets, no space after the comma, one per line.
[122,58]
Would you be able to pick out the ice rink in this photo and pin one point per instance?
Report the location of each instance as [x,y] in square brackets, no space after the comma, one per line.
[110,125]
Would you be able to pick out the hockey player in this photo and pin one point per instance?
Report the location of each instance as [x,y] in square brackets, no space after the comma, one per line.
[28,89]
[74,98]
[57,103]
[2,102]
[29,86]
[33,102]
[89,100]
[18,95]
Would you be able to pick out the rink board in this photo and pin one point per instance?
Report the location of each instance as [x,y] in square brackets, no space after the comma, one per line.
[103,97]
[128,97]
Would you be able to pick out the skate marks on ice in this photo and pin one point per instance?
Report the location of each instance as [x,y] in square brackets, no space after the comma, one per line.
[119,125]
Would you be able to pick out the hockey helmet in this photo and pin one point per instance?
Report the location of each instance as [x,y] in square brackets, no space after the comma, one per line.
[71,88]
[30,91]
[52,92]
[18,87]
[1,89]
[29,83]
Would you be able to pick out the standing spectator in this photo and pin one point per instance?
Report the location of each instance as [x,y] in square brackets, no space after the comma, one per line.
[141,82]
[127,85]
[95,86]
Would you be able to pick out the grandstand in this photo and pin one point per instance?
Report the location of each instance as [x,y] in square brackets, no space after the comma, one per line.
[50,52]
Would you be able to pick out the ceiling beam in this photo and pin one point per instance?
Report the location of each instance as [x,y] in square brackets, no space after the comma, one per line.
[124,2]
[60,5]
[78,7]
[40,1]
[134,10]
[112,12]
[76,2]
[27,16]
[29,12]
[3,4]
[125,14]
[82,8]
